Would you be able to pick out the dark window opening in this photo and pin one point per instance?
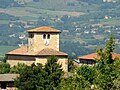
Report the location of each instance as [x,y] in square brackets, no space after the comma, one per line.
[44,36]
[87,61]
[10,84]
[3,85]
[31,35]
[48,37]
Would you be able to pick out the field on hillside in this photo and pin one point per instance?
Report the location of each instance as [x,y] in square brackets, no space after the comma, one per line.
[63,5]
[5,49]
[29,13]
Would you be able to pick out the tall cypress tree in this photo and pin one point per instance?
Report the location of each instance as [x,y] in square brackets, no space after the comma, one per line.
[53,73]
[105,69]
[106,53]
[109,49]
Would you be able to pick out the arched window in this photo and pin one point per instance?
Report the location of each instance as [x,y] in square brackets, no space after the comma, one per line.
[48,36]
[44,36]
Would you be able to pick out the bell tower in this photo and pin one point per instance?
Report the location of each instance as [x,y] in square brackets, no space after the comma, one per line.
[43,37]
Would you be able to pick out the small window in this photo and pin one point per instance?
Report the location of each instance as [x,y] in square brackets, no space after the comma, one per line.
[3,85]
[44,36]
[48,36]
[31,35]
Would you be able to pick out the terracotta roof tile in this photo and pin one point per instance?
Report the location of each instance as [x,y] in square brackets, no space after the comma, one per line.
[94,55]
[21,50]
[45,52]
[48,51]
[8,77]
[89,56]
[44,29]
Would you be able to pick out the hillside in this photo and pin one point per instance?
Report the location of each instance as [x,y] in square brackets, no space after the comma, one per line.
[85,24]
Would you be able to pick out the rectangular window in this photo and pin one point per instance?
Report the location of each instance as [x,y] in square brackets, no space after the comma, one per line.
[3,85]
[31,35]
[48,36]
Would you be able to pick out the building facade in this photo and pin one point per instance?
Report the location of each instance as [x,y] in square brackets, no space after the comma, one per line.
[90,59]
[43,42]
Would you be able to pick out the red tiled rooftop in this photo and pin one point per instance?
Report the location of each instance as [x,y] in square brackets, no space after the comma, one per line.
[89,56]
[45,52]
[21,50]
[95,56]
[44,29]
[48,52]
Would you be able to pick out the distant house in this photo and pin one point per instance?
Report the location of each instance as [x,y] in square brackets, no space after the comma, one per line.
[113,1]
[7,81]
[90,59]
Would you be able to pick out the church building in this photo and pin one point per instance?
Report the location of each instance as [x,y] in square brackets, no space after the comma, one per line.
[43,42]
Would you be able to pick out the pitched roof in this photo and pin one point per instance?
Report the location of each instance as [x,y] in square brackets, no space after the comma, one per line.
[94,56]
[49,52]
[21,50]
[45,52]
[44,29]
[89,56]
[8,77]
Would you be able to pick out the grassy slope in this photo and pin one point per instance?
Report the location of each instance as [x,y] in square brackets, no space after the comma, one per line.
[62,5]
[49,8]
[5,49]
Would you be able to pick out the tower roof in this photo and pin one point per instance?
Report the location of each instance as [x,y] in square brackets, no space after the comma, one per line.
[44,29]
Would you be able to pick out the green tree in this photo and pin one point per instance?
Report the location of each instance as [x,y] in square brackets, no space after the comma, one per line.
[107,71]
[87,72]
[110,46]
[74,82]
[106,53]
[37,77]
[105,77]
[4,68]
[71,66]
[29,79]
[53,73]
[19,68]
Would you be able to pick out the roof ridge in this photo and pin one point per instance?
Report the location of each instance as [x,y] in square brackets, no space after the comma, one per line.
[50,51]
[44,29]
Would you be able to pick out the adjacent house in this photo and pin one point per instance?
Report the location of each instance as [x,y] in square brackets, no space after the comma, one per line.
[7,81]
[43,42]
[90,59]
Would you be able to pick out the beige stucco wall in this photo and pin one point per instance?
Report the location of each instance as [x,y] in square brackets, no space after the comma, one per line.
[12,88]
[41,60]
[14,60]
[38,42]
[64,62]
[61,61]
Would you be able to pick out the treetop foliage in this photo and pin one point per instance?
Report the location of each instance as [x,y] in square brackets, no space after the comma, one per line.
[38,77]
[105,75]
[106,53]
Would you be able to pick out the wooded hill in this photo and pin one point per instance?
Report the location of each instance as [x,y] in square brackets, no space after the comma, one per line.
[85,24]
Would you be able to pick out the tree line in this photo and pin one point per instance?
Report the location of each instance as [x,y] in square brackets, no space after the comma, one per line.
[105,75]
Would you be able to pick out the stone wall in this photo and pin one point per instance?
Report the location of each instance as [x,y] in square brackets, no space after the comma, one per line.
[38,43]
